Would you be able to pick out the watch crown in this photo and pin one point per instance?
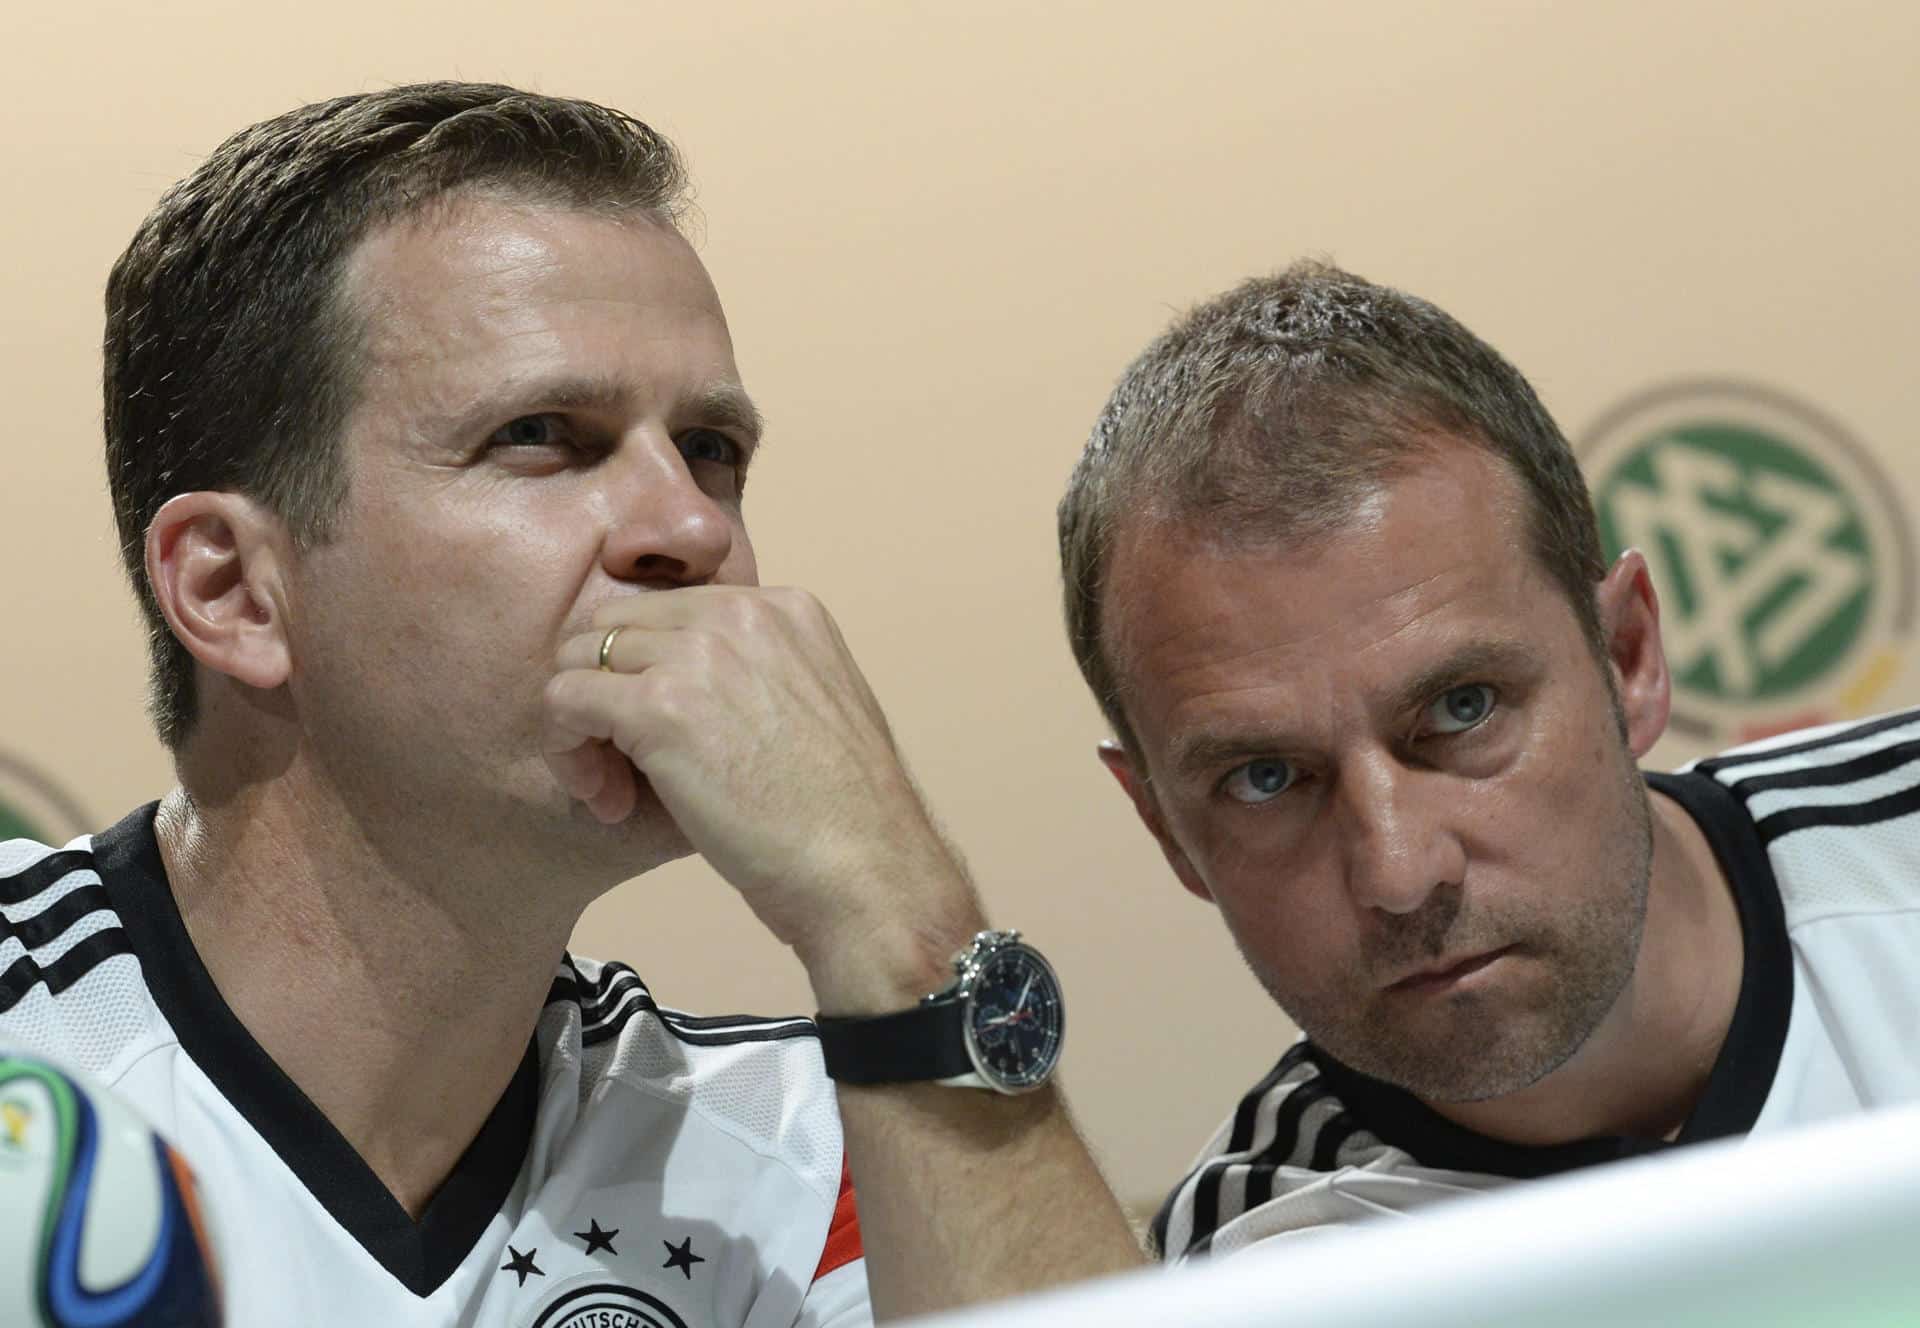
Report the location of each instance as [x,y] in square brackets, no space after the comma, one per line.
[983,941]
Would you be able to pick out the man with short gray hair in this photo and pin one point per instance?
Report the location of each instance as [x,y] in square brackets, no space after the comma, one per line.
[1334,578]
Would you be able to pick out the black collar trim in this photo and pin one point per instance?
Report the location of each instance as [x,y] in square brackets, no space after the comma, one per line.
[420,1255]
[1742,1076]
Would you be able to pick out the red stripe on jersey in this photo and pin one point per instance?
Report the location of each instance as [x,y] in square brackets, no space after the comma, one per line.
[843,1233]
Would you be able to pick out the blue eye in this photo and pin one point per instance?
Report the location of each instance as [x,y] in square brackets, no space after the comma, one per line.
[531,431]
[1461,708]
[1259,781]
[709,445]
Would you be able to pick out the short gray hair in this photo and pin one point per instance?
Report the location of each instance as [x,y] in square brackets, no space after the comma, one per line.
[1265,415]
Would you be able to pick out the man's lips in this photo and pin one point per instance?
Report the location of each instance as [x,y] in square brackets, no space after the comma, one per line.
[1439,976]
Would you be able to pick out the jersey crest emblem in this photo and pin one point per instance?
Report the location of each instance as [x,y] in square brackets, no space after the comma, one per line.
[606,1305]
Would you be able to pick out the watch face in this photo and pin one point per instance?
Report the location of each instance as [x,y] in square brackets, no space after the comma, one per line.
[1016,1019]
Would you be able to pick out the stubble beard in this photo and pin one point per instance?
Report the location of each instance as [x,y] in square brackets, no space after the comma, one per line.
[1488,1044]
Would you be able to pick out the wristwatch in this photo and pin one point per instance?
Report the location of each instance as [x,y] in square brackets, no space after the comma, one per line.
[998,1025]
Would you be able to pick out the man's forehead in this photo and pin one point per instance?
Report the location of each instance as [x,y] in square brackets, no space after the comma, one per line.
[484,297]
[1442,546]
[1219,611]
[471,254]
[1448,501]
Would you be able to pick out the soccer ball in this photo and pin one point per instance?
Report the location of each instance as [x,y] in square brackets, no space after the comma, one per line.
[99,1223]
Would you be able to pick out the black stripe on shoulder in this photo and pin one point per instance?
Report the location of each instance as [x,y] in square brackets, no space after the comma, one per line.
[23,974]
[1207,1214]
[30,881]
[1891,807]
[681,1019]
[1318,1152]
[613,996]
[612,972]
[1842,772]
[1287,1145]
[570,985]
[1260,1185]
[1157,1229]
[593,1037]
[1333,1136]
[1247,1114]
[1714,764]
[1206,1203]
[727,1037]
[611,975]
[620,991]
[1203,1182]
[598,1007]
[612,1021]
[720,1031]
[49,922]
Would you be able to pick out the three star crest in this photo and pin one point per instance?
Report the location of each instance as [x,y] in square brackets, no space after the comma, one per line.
[680,1256]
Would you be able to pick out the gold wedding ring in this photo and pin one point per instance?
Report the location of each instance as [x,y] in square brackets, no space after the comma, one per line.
[606,648]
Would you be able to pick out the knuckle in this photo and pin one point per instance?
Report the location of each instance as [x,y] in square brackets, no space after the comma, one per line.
[807,608]
[750,612]
[654,693]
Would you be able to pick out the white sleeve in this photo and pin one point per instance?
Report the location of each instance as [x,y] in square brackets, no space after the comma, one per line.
[838,1300]
[1308,1201]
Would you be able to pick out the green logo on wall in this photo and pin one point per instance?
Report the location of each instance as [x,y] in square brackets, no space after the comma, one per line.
[1780,555]
[34,806]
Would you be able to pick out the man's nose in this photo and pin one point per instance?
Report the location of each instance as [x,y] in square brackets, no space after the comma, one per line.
[664,528]
[1402,837]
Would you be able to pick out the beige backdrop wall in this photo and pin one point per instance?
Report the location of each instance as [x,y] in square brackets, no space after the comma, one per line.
[940,230]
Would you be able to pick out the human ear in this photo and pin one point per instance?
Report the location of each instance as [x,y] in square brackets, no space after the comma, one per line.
[1630,622]
[1140,793]
[214,560]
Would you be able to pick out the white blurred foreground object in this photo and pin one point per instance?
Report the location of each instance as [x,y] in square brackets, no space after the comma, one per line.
[99,1219]
[1820,1226]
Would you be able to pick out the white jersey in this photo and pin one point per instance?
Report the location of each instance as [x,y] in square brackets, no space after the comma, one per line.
[645,1169]
[1818,834]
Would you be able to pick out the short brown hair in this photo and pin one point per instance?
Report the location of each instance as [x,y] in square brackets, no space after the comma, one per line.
[1264,415]
[231,354]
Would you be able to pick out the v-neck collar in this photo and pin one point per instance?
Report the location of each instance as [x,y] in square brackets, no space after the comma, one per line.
[419,1254]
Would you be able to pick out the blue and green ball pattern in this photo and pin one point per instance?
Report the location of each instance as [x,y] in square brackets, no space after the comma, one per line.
[174,1284]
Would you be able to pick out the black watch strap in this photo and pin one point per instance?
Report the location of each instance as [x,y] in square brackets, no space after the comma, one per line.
[908,1046]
